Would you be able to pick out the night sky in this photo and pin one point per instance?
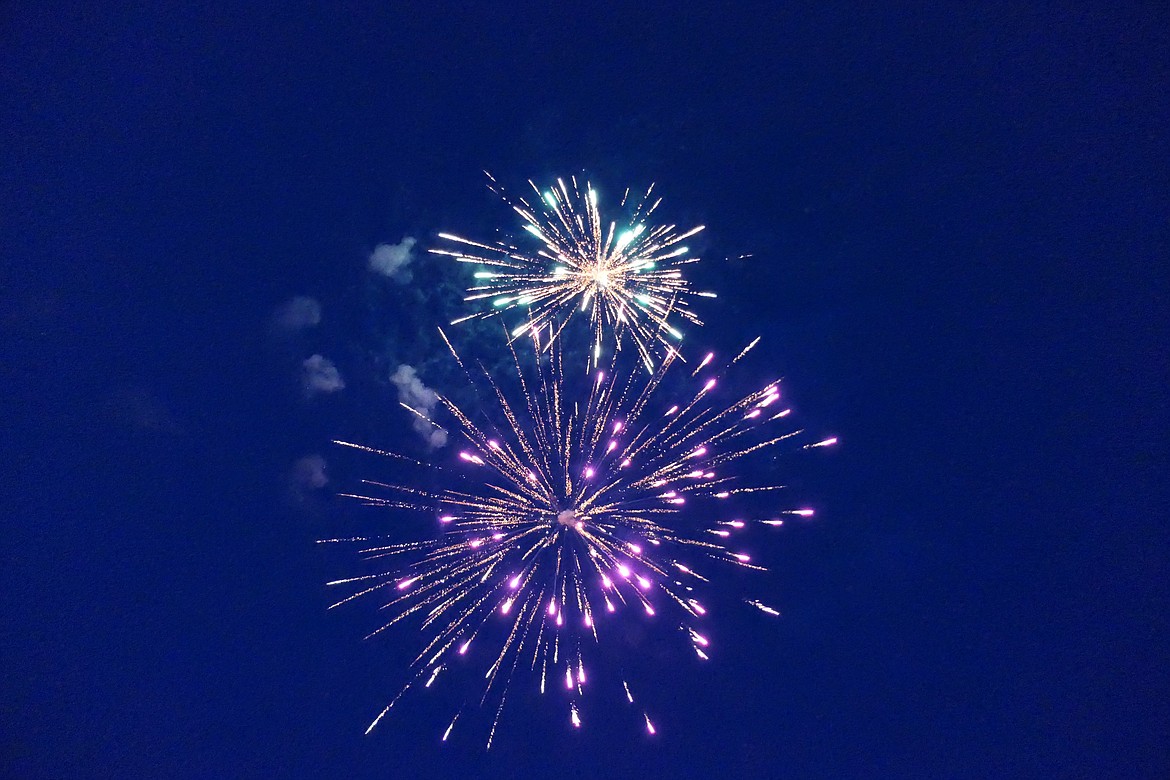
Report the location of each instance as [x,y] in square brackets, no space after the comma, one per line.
[959,235]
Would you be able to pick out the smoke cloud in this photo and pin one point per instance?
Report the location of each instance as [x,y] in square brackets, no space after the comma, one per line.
[319,376]
[296,314]
[308,473]
[393,260]
[416,395]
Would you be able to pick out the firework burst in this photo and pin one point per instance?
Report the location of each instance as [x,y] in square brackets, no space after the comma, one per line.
[569,506]
[626,279]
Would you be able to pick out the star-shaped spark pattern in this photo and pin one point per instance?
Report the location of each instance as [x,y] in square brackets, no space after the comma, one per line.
[570,504]
[626,279]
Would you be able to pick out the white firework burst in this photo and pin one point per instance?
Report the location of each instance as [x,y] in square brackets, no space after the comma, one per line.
[625,277]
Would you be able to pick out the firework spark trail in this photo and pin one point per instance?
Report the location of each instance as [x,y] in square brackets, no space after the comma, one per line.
[628,281]
[566,508]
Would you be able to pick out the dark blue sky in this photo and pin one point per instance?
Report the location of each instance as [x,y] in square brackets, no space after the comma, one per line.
[960,235]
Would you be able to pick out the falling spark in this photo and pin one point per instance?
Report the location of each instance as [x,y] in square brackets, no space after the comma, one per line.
[447,733]
[763,607]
